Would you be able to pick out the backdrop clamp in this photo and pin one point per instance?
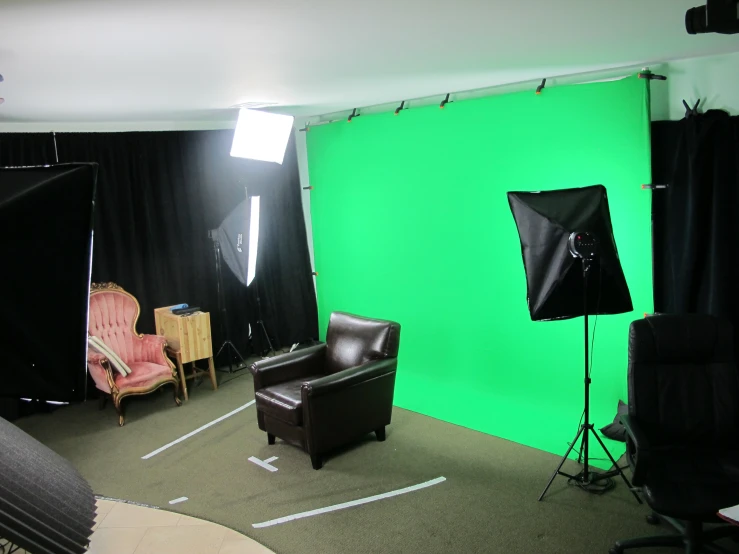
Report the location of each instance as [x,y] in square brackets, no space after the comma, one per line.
[353,115]
[306,128]
[653,187]
[445,101]
[646,74]
[541,86]
[401,107]
[691,112]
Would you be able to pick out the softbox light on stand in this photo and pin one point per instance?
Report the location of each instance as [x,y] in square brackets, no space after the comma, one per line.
[572,269]
[236,242]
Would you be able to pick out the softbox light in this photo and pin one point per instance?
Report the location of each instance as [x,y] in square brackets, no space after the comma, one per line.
[572,269]
[46,249]
[555,286]
[238,236]
[261,135]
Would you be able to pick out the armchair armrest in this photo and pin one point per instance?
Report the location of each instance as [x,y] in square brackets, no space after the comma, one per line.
[286,367]
[95,357]
[152,349]
[638,449]
[344,379]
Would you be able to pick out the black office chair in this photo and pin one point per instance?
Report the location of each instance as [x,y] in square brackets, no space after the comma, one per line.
[683,427]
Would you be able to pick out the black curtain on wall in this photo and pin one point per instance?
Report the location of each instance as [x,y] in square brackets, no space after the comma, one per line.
[696,219]
[159,193]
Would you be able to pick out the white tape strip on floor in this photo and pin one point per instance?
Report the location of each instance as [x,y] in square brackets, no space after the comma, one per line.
[178,500]
[264,463]
[350,504]
[196,431]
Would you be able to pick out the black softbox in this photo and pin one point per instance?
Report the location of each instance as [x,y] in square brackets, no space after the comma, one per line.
[554,279]
[45,248]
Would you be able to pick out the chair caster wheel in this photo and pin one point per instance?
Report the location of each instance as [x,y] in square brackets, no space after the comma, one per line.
[652,519]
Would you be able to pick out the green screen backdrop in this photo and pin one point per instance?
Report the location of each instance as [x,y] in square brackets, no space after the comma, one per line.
[411,222]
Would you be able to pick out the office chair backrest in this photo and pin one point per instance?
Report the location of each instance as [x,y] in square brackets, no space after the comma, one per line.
[353,340]
[683,381]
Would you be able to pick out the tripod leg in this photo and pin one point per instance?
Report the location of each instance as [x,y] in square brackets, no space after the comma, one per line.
[618,468]
[561,463]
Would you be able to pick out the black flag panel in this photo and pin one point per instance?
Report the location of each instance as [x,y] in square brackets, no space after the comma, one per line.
[45,249]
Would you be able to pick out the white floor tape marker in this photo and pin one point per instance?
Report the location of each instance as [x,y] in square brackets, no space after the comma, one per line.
[350,504]
[264,463]
[196,431]
[178,500]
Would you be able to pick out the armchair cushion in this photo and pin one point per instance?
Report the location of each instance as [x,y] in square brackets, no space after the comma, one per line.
[283,401]
[143,374]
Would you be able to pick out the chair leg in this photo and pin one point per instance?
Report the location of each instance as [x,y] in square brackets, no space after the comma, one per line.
[177,398]
[270,438]
[642,542]
[380,434]
[212,372]
[119,409]
[316,460]
[183,380]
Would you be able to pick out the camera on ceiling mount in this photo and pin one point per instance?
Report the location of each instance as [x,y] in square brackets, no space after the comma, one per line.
[717,16]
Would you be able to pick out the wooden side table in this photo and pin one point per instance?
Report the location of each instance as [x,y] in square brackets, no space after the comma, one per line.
[188,340]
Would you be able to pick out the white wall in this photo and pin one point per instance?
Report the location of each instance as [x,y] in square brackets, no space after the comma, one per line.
[713,79]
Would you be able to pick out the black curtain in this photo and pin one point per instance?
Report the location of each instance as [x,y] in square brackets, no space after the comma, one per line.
[696,219]
[159,193]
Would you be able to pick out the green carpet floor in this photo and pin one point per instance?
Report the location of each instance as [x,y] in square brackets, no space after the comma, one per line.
[487,504]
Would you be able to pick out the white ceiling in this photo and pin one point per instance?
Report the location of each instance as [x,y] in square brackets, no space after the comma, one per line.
[164,60]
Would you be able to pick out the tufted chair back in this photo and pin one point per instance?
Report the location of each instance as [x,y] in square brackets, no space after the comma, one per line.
[113,316]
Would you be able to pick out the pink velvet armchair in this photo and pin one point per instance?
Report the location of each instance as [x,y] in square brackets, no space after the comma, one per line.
[113,316]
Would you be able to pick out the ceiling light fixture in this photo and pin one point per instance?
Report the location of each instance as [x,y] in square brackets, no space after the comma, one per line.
[261,135]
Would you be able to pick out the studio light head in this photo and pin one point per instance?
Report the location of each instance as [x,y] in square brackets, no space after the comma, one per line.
[583,244]
[717,16]
[261,135]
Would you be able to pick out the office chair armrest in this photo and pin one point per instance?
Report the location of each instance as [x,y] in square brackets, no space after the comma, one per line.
[638,449]
[287,367]
[348,377]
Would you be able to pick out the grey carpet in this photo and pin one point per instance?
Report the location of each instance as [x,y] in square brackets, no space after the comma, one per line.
[487,504]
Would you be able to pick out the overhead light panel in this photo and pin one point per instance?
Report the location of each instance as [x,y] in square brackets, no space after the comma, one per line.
[261,135]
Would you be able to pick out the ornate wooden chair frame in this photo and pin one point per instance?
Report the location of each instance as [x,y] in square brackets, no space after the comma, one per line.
[116,394]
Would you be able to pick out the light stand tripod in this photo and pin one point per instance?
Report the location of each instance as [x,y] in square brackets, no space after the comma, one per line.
[587,477]
[260,322]
[227,345]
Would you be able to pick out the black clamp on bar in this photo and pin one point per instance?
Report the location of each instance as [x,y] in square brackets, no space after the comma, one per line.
[401,107]
[541,86]
[445,101]
[314,273]
[308,188]
[306,128]
[691,112]
[653,187]
[353,115]
[651,76]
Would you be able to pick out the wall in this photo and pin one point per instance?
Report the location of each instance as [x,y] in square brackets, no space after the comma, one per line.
[712,79]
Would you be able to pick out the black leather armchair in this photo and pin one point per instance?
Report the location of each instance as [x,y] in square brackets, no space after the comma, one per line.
[325,396]
[683,427]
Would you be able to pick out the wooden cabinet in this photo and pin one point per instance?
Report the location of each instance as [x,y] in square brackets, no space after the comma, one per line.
[188,340]
[189,334]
